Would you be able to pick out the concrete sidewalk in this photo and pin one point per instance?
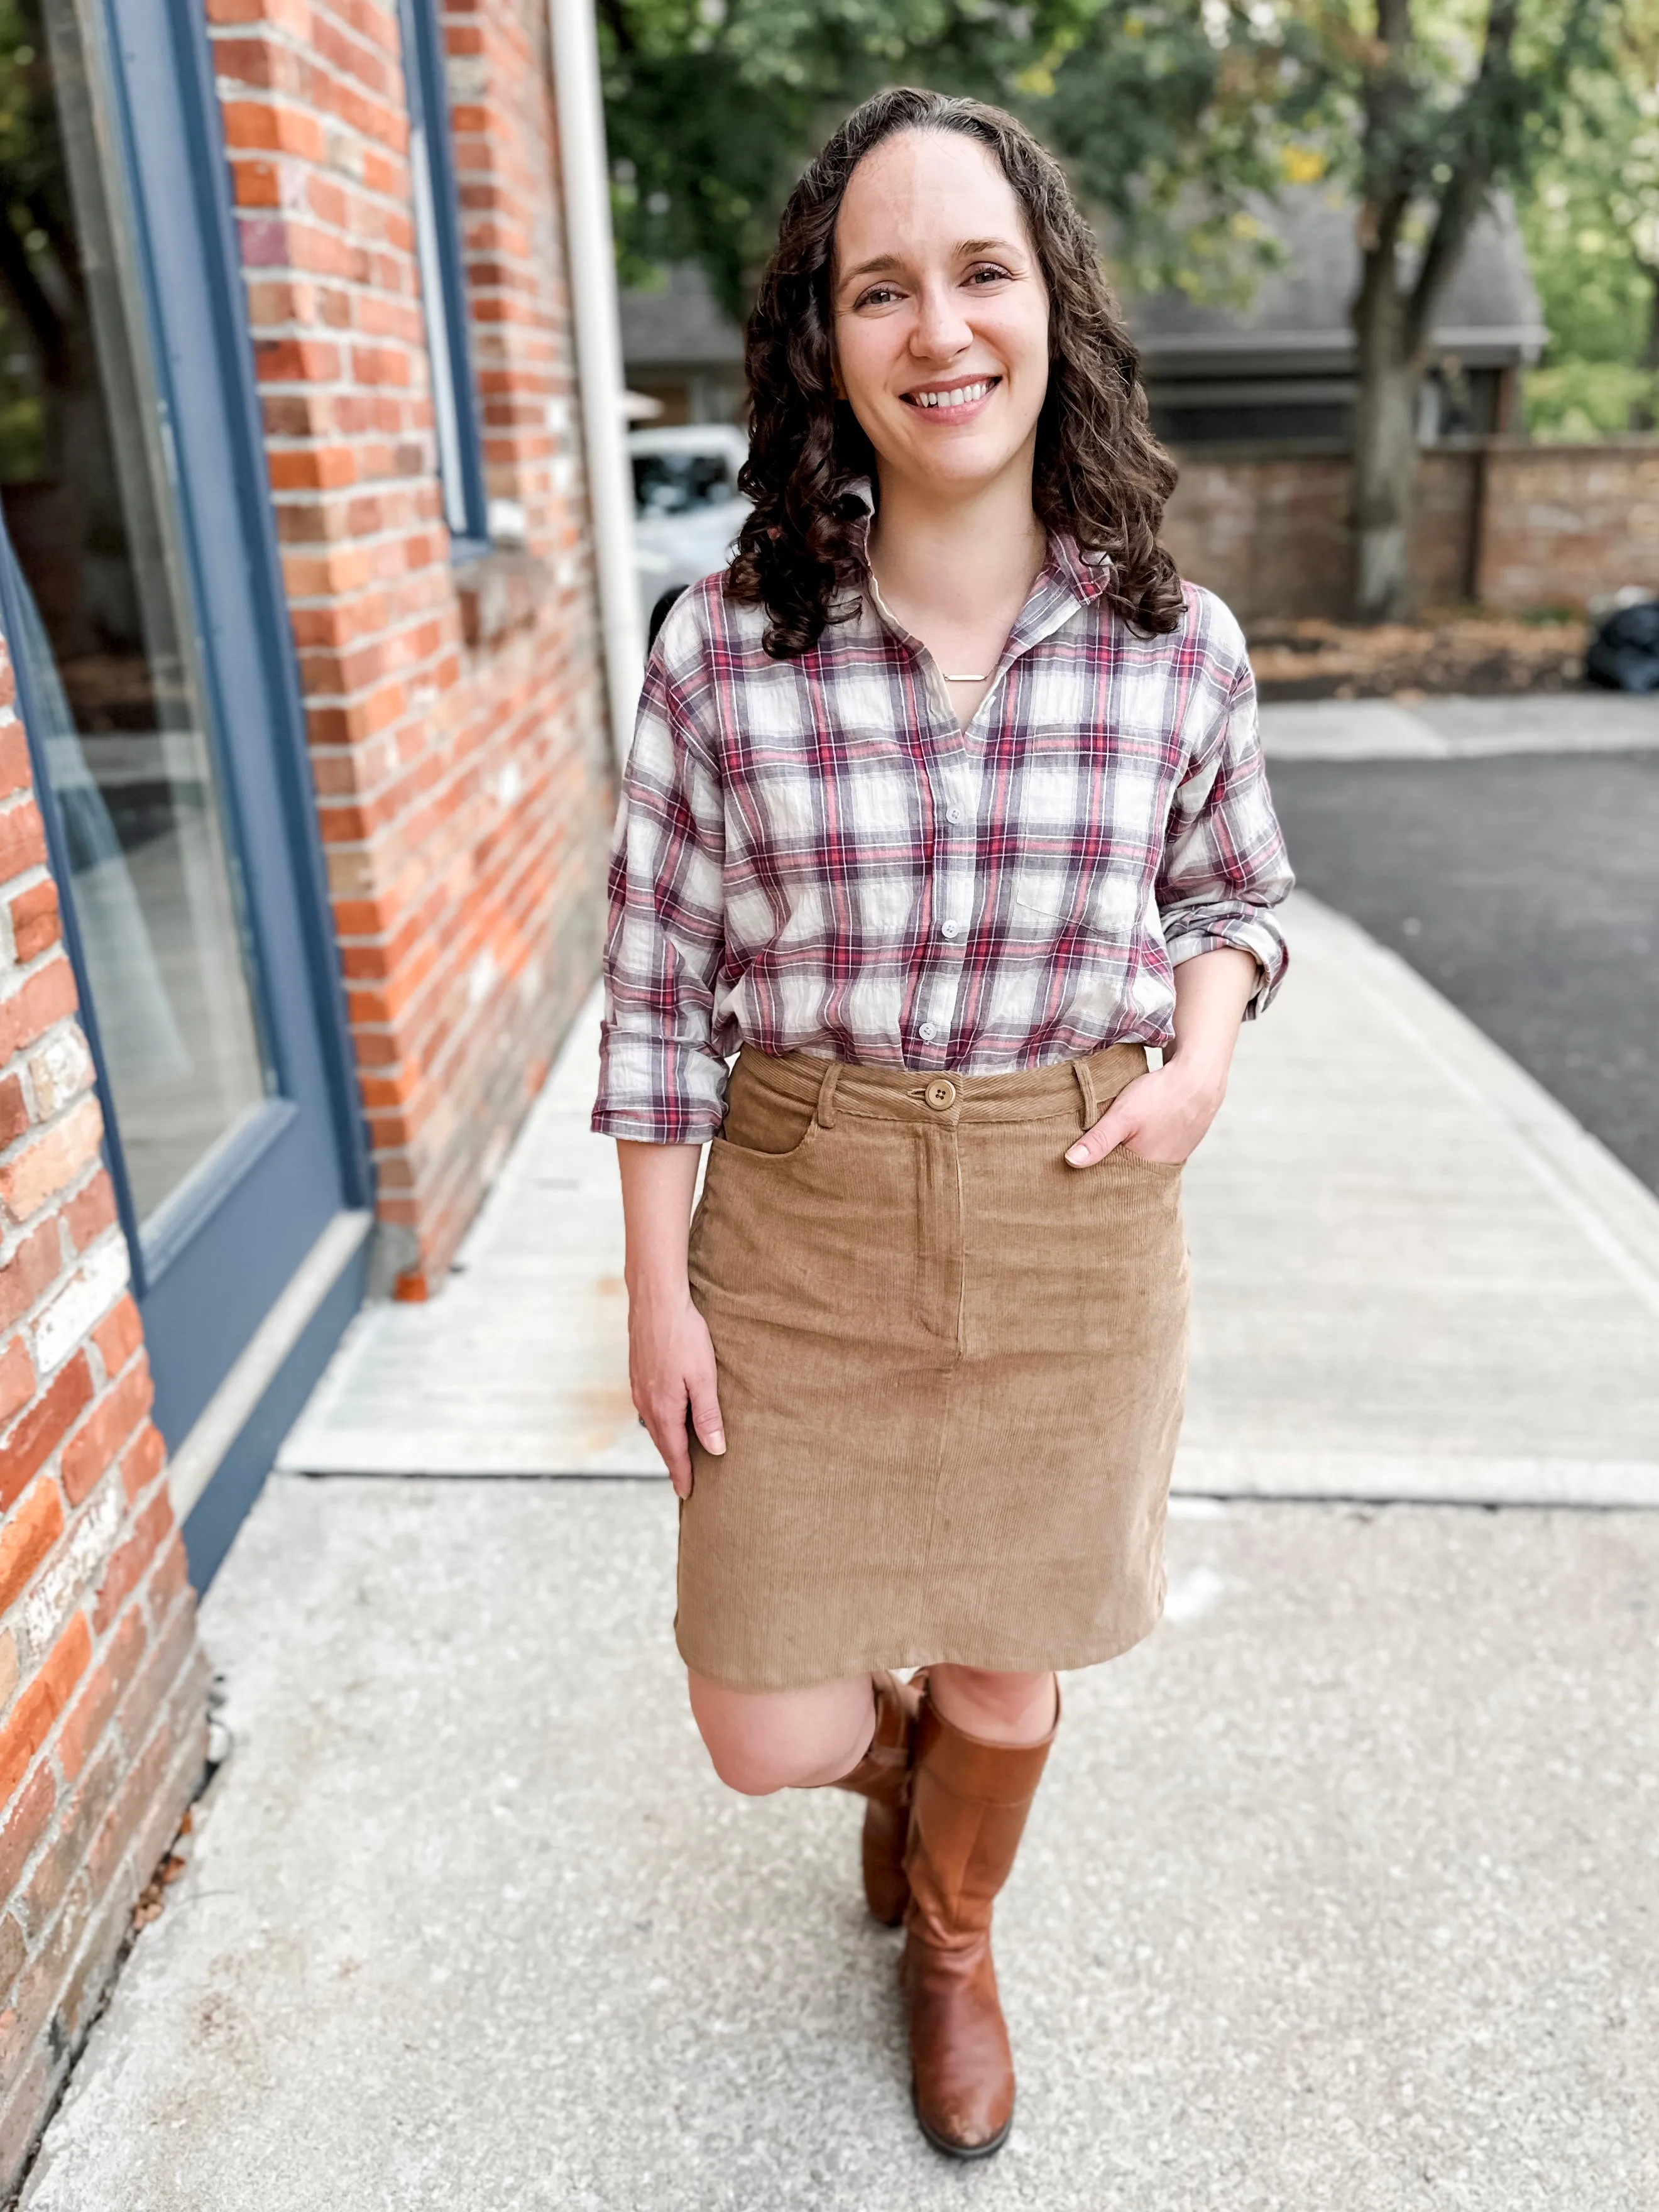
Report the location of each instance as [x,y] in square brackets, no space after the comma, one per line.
[1340,1897]
[1341,1893]
[1587,721]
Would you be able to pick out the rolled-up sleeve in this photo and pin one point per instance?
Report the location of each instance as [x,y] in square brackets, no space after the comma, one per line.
[660,1082]
[1225,864]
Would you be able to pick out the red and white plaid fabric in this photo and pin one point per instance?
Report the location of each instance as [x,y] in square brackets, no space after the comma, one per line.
[812,856]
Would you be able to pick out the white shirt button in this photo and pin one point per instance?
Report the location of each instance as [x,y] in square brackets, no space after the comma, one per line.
[928,1031]
[950,929]
[953,814]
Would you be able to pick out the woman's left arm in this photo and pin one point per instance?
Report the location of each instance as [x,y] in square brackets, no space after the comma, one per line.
[1224,870]
[1162,1115]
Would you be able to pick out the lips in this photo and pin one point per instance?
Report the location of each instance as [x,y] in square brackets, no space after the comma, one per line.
[939,396]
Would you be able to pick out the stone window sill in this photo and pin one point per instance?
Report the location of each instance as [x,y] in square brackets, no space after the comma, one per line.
[500,591]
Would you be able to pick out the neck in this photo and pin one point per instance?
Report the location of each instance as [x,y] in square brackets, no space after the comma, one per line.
[959,556]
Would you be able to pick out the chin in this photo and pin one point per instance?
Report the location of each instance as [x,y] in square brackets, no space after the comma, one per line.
[960,458]
[964,469]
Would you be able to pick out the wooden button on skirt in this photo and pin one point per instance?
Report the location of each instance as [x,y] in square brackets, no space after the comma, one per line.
[951,1369]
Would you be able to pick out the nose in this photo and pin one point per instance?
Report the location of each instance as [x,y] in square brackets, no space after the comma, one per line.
[941,330]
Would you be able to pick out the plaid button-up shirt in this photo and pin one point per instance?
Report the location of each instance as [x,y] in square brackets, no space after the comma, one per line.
[813,856]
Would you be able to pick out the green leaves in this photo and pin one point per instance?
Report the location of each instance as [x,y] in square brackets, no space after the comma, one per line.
[712,106]
[1592,231]
[1175,117]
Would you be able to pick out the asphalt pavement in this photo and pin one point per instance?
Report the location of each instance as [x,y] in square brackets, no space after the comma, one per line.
[1525,888]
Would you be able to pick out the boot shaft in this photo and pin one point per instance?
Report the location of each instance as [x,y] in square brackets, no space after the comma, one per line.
[969,1802]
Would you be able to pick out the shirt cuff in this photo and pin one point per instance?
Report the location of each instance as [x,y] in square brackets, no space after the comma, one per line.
[654,1090]
[1255,932]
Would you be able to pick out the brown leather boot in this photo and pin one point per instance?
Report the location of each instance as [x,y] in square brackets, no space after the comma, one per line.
[969,1800]
[881,1777]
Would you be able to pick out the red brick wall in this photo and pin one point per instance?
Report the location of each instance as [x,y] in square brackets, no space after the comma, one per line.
[1268,528]
[1265,532]
[456,717]
[1562,523]
[102,1688]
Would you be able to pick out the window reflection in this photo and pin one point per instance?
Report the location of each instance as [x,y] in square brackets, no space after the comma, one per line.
[106,634]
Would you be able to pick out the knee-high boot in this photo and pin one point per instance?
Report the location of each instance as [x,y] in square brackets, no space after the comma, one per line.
[882,1778]
[969,1800]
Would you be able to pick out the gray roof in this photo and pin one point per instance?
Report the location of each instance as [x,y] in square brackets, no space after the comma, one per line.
[679,325]
[1298,320]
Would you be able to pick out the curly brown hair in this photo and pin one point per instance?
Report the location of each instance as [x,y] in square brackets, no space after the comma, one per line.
[1100,474]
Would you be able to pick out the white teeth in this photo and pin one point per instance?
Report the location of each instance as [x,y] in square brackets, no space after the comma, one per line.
[962,397]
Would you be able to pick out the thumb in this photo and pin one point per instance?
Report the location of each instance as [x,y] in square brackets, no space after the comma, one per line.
[706,1412]
[1095,1144]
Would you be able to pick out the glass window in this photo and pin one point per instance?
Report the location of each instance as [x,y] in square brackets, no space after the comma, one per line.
[443,285]
[104,635]
[675,482]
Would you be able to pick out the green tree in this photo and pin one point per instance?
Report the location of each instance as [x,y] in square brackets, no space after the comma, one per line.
[712,106]
[1441,126]
[1422,110]
[1174,115]
[1592,231]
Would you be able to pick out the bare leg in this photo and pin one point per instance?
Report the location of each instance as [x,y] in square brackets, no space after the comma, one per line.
[997,1708]
[767,1739]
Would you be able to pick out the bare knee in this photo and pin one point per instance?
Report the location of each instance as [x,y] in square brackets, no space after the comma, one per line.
[748,1768]
[1006,1708]
[761,1742]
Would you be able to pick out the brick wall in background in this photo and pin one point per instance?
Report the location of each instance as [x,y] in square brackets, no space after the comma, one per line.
[1519,528]
[102,1686]
[1562,523]
[456,716]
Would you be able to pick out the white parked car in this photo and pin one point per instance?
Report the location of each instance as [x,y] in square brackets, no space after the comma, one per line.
[687,509]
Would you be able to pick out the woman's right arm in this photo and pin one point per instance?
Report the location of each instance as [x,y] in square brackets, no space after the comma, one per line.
[671,1360]
[662,1085]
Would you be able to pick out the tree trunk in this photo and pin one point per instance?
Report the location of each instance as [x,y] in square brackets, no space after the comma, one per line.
[1390,378]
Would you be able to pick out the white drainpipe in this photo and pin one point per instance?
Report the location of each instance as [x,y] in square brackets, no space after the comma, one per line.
[586,181]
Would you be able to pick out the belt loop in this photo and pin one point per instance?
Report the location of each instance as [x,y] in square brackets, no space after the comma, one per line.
[1085,1084]
[825,1112]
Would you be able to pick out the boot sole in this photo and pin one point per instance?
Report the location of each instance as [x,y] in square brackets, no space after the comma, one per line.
[964,2152]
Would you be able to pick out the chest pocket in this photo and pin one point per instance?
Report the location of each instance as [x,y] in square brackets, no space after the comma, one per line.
[1107,905]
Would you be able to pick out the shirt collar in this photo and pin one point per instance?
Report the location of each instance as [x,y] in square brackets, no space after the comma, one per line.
[1069,578]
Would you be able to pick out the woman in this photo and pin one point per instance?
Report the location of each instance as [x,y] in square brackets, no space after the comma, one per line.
[945,803]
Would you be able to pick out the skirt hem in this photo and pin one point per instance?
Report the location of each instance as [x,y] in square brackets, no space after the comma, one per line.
[877,1656]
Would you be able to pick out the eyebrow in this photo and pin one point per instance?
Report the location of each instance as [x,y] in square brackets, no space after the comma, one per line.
[968,249]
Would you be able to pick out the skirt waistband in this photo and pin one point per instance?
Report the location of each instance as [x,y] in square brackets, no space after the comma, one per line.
[831,1087]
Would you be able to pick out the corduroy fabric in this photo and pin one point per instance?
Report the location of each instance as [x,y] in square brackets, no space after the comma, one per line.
[951,1369]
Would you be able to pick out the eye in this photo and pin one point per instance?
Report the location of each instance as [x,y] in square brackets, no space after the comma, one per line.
[879,295]
[989,272]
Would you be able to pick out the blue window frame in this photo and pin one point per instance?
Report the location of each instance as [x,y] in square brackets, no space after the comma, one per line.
[443,280]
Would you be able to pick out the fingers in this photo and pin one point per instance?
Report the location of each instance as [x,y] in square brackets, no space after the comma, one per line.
[671,1371]
[667,1431]
[1093,1146]
[665,1420]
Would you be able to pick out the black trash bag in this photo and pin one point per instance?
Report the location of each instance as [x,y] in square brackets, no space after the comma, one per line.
[1623,653]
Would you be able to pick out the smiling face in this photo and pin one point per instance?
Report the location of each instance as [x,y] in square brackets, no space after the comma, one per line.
[941,316]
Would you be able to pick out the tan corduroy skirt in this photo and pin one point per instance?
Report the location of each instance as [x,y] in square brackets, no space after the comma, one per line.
[950,1371]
